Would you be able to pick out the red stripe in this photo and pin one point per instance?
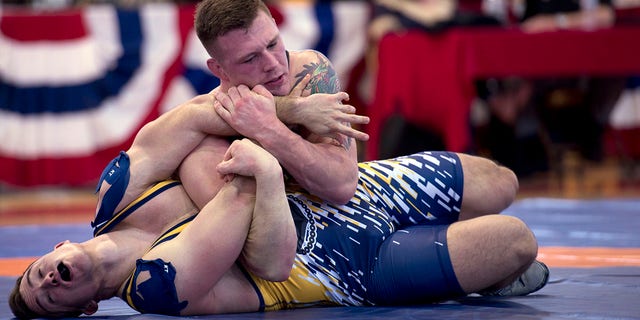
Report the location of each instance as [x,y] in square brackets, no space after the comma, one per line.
[589,257]
[184,14]
[85,170]
[26,25]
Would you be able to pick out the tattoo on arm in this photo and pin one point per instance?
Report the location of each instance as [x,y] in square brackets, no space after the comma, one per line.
[323,77]
[323,80]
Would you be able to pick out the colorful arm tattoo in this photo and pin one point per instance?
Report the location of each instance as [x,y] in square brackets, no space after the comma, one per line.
[323,80]
[323,77]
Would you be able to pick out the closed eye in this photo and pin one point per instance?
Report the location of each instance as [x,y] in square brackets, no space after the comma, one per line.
[248,60]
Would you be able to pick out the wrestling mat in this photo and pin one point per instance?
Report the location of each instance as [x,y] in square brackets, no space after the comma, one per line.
[591,246]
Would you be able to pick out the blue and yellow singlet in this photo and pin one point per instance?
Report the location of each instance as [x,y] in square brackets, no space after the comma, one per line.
[387,245]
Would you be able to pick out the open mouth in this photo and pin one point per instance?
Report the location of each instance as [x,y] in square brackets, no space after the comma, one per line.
[65,273]
[274,80]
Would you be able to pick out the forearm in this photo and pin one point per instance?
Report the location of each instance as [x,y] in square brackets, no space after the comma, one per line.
[323,114]
[208,246]
[270,247]
[324,169]
[286,109]
[182,128]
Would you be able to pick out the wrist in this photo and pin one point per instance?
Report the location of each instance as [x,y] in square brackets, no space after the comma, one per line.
[286,109]
[270,172]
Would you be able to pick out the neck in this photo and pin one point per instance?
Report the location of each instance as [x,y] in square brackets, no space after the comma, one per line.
[115,256]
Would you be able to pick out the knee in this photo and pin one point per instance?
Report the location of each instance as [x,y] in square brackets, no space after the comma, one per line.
[504,185]
[488,187]
[523,245]
[508,185]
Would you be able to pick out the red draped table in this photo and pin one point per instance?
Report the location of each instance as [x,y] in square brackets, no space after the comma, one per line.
[429,78]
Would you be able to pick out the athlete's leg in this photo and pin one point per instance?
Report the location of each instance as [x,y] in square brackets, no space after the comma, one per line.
[437,187]
[424,188]
[432,263]
[413,266]
[488,187]
[490,251]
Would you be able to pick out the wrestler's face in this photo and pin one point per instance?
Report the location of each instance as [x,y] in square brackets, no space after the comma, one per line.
[254,56]
[60,282]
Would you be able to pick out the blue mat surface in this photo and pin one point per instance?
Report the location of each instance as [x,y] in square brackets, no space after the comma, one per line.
[573,293]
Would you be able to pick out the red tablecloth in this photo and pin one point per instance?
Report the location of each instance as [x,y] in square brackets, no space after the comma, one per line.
[429,79]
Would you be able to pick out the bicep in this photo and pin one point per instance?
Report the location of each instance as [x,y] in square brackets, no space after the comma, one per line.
[183,128]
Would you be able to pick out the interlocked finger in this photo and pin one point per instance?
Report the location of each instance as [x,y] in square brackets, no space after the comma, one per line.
[225,101]
[234,95]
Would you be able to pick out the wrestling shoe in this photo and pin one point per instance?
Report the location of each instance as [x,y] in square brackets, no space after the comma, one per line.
[532,280]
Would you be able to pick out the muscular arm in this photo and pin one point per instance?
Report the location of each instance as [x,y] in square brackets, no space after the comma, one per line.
[161,145]
[324,166]
[270,246]
[208,247]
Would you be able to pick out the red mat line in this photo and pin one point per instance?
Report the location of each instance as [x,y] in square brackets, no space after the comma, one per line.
[559,257]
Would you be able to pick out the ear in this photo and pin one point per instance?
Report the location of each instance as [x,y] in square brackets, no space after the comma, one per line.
[61,243]
[216,68]
[90,308]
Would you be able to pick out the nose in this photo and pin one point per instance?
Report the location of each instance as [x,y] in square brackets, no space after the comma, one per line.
[50,280]
[270,61]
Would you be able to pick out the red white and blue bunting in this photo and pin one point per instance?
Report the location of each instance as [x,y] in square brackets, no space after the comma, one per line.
[76,85]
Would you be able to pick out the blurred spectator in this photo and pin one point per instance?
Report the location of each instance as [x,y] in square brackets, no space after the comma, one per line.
[533,122]
[401,15]
[399,135]
[427,15]
[626,3]
[540,15]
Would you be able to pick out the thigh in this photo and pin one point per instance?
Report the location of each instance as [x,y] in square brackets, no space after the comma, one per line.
[489,250]
[489,187]
[413,266]
[422,188]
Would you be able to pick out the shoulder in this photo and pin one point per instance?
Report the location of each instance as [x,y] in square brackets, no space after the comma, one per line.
[317,65]
[299,58]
